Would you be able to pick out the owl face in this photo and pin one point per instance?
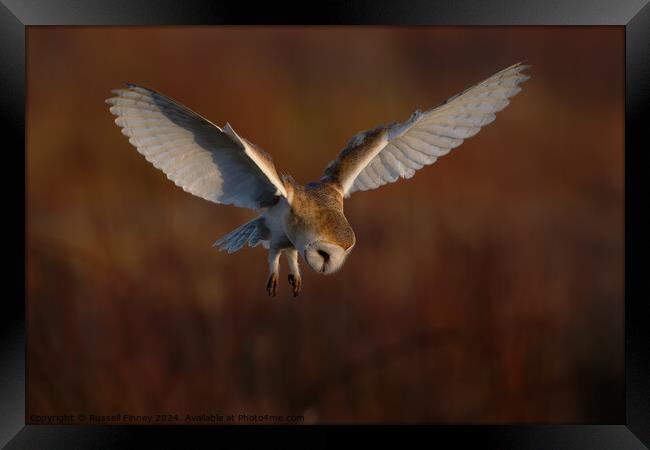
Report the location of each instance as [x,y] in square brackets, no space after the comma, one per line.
[320,232]
[325,257]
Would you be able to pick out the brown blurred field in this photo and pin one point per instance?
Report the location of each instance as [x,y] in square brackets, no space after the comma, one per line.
[487,289]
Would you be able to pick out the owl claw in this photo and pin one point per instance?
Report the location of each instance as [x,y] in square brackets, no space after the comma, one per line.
[296,283]
[272,285]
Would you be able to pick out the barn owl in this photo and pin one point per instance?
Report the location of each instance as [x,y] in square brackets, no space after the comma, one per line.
[217,164]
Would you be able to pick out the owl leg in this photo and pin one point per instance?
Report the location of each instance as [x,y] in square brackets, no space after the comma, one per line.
[274,272]
[294,271]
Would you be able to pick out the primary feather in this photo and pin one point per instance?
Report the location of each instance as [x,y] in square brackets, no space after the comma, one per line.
[202,158]
[386,153]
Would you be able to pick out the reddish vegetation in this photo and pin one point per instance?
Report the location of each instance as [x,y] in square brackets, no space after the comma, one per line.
[488,288]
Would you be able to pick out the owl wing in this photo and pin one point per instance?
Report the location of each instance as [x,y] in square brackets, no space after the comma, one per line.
[384,154]
[203,159]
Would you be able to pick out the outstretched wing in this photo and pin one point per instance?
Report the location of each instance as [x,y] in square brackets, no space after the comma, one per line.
[205,160]
[384,154]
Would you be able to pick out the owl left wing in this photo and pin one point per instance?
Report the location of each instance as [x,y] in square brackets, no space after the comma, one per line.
[208,161]
[386,153]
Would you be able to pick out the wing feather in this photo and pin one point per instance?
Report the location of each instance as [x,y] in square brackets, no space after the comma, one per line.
[386,153]
[210,162]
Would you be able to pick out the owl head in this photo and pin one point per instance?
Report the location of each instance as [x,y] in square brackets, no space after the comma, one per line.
[328,249]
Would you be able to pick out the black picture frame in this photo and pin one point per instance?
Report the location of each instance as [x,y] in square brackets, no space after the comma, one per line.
[634,15]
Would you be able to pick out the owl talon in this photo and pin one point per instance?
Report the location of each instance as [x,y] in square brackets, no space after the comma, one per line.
[272,285]
[295,283]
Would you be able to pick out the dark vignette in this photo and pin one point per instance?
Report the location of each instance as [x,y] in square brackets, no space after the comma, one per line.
[635,14]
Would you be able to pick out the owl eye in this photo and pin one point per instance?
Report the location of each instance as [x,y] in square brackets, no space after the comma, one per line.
[324,254]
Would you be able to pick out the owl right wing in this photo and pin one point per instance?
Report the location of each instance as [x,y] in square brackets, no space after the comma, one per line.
[386,153]
[203,159]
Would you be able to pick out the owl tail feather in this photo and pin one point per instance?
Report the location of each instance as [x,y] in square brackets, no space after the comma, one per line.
[251,233]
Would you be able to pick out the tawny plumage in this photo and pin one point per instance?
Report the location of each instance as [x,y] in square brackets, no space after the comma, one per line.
[216,164]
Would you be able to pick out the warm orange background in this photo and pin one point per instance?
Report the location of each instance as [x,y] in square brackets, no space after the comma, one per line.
[487,289]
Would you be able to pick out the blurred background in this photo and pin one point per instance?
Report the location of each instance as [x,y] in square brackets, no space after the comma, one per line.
[486,289]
